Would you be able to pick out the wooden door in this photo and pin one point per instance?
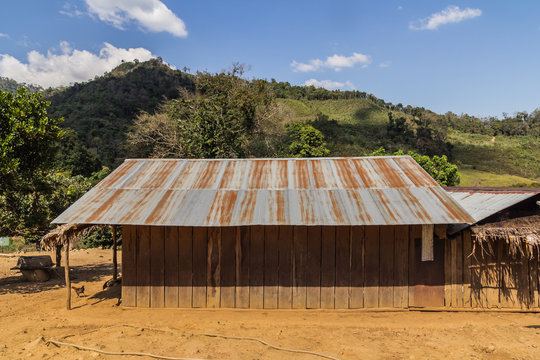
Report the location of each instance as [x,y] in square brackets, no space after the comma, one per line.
[428,279]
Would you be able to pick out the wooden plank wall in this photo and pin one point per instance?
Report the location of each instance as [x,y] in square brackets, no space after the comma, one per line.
[489,277]
[310,267]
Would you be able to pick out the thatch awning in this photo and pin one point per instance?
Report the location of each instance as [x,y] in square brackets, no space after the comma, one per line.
[66,234]
[521,234]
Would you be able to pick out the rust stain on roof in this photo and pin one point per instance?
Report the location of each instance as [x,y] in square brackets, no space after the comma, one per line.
[222,207]
[347,175]
[385,169]
[237,192]
[117,174]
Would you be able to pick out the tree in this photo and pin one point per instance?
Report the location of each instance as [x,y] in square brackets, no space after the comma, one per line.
[227,116]
[305,141]
[28,139]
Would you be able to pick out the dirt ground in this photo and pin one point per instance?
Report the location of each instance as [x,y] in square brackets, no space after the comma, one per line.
[32,311]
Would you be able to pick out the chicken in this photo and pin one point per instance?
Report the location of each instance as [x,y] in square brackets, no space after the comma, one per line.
[79,290]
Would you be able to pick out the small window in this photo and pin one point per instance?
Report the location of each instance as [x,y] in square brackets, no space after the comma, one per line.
[427,242]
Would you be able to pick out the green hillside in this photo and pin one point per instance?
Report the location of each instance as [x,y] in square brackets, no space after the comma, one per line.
[360,125]
[354,123]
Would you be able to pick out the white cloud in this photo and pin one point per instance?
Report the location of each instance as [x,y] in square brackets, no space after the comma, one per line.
[71,11]
[2,35]
[335,62]
[151,15]
[67,65]
[452,14]
[385,64]
[329,84]
[400,7]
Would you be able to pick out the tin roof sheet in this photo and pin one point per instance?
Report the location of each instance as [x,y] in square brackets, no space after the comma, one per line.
[232,192]
[481,203]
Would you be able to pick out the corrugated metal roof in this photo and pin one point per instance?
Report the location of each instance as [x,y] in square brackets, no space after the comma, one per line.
[482,202]
[231,192]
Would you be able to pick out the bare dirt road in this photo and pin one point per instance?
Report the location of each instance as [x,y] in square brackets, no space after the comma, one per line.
[30,311]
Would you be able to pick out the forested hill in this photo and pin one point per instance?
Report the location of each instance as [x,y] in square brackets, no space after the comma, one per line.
[488,152]
[101,110]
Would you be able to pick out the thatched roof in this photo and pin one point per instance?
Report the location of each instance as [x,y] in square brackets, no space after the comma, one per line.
[66,234]
[521,234]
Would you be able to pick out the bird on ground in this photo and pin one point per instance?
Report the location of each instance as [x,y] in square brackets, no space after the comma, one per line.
[79,290]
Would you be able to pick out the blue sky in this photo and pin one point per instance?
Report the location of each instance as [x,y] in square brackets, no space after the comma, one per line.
[476,57]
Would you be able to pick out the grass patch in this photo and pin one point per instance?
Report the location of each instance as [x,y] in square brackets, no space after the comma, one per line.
[471,177]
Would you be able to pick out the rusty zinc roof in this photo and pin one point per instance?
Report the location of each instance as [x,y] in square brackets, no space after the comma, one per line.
[484,202]
[231,192]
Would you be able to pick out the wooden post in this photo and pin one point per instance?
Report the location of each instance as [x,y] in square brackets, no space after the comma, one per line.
[115,262]
[68,281]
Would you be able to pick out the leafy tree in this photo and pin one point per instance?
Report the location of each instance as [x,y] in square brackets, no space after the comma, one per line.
[440,169]
[223,118]
[306,141]
[74,157]
[29,214]
[28,139]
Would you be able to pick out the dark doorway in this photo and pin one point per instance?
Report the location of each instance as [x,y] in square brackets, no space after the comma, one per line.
[428,279]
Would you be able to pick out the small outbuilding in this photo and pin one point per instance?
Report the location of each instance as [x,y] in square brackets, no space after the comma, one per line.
[500,250]
[333,233]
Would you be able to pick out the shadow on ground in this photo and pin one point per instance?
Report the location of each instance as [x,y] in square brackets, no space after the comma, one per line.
[83,273]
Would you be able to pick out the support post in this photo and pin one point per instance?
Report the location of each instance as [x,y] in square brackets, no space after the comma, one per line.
[114,259]
[68,281]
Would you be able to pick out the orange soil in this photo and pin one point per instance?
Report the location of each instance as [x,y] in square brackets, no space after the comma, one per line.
[29,311]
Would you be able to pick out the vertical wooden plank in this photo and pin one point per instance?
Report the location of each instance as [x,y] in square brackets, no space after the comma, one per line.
[313,268]
[343,266]
[467,248]
[200,244]
[285,267]
[371,268]
[171,267]
[213,257]
[243,238]
[533,266]
[524,288]
[129,266]
[185,267]
[299,266]
[453,271]
[328,266]
[386,271]
[491,277]
[401,266]
[157,266]
[228,267]
[143,266]
[415,232]
[256,268]
[271,267]
[357,267]
[448,272]
[459,270]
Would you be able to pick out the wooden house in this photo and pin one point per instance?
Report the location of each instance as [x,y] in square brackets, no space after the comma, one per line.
[338,233]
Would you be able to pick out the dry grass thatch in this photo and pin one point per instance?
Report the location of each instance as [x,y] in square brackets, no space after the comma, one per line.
[66,234]
[521,234]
